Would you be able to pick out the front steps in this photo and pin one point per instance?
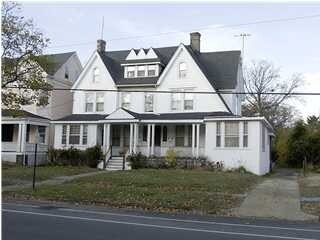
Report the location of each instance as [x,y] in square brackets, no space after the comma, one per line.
[116,164]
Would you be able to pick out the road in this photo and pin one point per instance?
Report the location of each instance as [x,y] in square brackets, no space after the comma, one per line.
[34,220]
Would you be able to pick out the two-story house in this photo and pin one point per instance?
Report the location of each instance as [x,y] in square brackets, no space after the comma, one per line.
[23,128]
[156,99]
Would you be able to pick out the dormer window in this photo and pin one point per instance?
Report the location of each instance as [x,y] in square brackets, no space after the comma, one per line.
[151,70]
[141,71]
[131,71]
[96,75]
[182,70]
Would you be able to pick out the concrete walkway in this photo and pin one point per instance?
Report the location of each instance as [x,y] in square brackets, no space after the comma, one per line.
[53,181]
[277,197]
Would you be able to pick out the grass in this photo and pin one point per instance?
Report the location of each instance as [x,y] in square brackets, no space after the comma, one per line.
[158,190]
[310,187]
[16,174]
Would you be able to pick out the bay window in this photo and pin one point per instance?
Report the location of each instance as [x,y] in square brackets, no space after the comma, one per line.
[231,138]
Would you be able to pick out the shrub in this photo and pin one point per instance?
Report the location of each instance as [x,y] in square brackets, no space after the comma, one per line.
[171,158]
[93,155]
[137,160]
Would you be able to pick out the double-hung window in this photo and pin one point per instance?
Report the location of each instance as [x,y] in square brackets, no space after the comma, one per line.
[131,71]
[179,135]
[188,101]
[99,102]
[152,70]
[74,135]
[182,70]
[231,138]
[42,134]
[125,100]
[64,134]
[148,102]
[141,71]
[89,102]
[245,134]
[85,134]
[96,75]
[218,135]
[176,99]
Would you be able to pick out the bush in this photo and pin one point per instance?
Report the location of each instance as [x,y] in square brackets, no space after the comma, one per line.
[75,157]
[171,158]
[137,160]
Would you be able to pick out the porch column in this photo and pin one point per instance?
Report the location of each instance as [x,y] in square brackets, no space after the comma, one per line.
[135,137]
[23,137]
[198,140]
[152,139]
[148,140]
[131,138]
[106,135]
[193,136]
[19,137]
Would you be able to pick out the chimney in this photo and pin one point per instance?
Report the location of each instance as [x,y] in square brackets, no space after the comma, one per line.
[101,45]
[195,41]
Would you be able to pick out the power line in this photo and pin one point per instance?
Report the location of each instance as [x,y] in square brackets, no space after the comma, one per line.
[206,27]
[167,91]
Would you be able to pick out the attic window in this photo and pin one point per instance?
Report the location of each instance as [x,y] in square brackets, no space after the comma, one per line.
[66,74]
[131,71]
[96,75]
[182,70]
[141,71]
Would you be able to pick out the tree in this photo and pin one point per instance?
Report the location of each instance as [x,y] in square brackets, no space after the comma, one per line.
[262,77]
[22,47]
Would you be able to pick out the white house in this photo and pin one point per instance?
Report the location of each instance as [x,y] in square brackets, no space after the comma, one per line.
[152,100]
[22,129]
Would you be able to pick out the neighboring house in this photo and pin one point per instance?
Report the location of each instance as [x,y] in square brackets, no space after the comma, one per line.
[22,129]
[125,119]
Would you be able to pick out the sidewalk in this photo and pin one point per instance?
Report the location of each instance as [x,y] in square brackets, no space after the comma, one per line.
[277,197]
[53,181]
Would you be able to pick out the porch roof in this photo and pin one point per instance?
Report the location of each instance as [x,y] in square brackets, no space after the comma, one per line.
[13,113]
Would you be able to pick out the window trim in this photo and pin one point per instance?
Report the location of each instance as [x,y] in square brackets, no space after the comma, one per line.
[182,76]
[86,102]
[229,136]
[96,102]
[218,134]
[44,133]
[245,143]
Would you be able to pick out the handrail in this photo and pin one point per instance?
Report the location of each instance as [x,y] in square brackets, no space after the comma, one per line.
[107,160]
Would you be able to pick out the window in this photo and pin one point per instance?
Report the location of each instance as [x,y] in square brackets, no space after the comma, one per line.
[64,134]
[188,101]
[179,136]
[231,138]
[148,102]
[28,133]
[176,101]
[144,133]
[96,75]
[152,70]
[7,132]
[99,102]
[263,139]
[164,133]
[131,71]
[218,135]
[85,134]
[74,135]
[115,135]
[182,70]
[125,100]
[89,102]
[245,134]
[42,134]
[66,73]
[141,71]
[190,135]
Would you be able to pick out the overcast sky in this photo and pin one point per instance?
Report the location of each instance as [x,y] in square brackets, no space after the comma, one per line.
[291,45]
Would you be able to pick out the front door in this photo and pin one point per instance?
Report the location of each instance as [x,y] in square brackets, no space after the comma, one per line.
[115,140]
[157,140]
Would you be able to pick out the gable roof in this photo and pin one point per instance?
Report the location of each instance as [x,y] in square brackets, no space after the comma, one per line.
[56,61]
[220,68]
[19,114]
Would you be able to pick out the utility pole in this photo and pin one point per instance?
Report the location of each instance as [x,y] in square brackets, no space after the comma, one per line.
[243,36]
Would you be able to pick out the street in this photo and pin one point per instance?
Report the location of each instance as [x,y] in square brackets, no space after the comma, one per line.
[31,220]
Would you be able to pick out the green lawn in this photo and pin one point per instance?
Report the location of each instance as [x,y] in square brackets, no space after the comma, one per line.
[16,174]
[158,190]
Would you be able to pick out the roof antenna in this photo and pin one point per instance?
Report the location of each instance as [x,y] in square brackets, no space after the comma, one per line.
[102,27]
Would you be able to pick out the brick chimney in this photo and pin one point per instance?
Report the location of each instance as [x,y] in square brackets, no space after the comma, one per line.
[101,45]
[195,41]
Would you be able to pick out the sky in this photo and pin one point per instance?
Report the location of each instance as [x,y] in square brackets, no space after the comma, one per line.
[293,46]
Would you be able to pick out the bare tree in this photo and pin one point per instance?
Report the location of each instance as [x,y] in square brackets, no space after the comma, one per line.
[262,77]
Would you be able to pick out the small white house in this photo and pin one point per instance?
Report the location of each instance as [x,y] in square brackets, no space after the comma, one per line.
[22,129]
[148,100]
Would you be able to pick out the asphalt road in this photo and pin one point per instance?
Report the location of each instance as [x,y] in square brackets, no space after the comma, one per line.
[32,220]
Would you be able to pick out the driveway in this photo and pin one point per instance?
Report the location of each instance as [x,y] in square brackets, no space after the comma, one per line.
[277,197]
